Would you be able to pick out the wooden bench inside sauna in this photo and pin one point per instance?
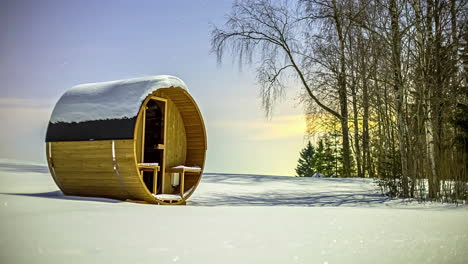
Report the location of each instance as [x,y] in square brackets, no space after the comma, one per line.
[140,139]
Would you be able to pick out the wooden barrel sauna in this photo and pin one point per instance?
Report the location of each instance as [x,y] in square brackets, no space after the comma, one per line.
[139,139]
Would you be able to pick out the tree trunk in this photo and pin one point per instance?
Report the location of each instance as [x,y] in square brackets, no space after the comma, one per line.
[365,128]
[342,95]
[400,93]
[357,148]
[354,62]
[365,105]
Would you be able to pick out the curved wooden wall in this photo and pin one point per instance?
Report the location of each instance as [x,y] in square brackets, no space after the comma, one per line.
[194,130]
[87,168]
[193,123]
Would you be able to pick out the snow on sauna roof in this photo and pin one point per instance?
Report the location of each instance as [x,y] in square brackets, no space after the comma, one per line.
[109,100]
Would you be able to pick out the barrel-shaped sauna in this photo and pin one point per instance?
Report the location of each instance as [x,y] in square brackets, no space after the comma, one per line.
[139,139]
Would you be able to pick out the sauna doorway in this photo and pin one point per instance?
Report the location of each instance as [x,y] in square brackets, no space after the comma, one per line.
[153,142]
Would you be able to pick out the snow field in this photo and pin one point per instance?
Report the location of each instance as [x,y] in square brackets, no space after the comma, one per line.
[229,219]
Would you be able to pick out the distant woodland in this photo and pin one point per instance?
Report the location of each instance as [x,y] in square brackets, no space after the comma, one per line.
[391,75]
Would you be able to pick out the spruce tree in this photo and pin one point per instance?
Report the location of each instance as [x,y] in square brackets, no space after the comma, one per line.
[320,158]
[324,159]
[332,157]
[306,162]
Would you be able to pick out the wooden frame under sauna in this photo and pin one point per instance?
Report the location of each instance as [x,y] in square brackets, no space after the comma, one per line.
[152,152]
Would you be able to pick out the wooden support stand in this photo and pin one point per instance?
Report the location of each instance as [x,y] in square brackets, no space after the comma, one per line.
[149,167]
[182,171]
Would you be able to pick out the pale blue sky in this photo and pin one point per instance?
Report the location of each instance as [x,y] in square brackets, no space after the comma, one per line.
[48,46]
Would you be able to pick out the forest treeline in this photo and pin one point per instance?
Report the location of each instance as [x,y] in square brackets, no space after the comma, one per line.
[392,73]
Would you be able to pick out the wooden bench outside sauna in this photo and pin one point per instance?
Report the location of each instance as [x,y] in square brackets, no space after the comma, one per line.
[152,167]
[126,139]
[180,171]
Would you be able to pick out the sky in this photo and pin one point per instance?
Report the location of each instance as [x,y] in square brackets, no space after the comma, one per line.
[46,47]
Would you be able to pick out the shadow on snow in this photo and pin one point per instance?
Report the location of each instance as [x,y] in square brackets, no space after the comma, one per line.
[287,191]
[21,167]
[273,197]
[60,195]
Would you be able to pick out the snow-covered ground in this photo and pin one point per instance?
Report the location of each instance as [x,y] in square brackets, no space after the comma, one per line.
[230,219]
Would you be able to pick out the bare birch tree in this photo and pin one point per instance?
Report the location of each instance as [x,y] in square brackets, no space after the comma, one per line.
[399,66]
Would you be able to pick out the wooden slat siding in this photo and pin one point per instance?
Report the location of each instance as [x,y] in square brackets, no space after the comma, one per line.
[194,138]
[85,168]
[139,132]
[126,162]
[50,164]
[191,180]
[198,153]
[195,160]
[190,119]
[80,165]
[194,126]
[184,105]
[194,144]
[90,192]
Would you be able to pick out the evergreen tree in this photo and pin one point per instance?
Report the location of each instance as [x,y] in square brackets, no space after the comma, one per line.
[324,160]
[306,162]
[320,158]
[328,158]
[332,155]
